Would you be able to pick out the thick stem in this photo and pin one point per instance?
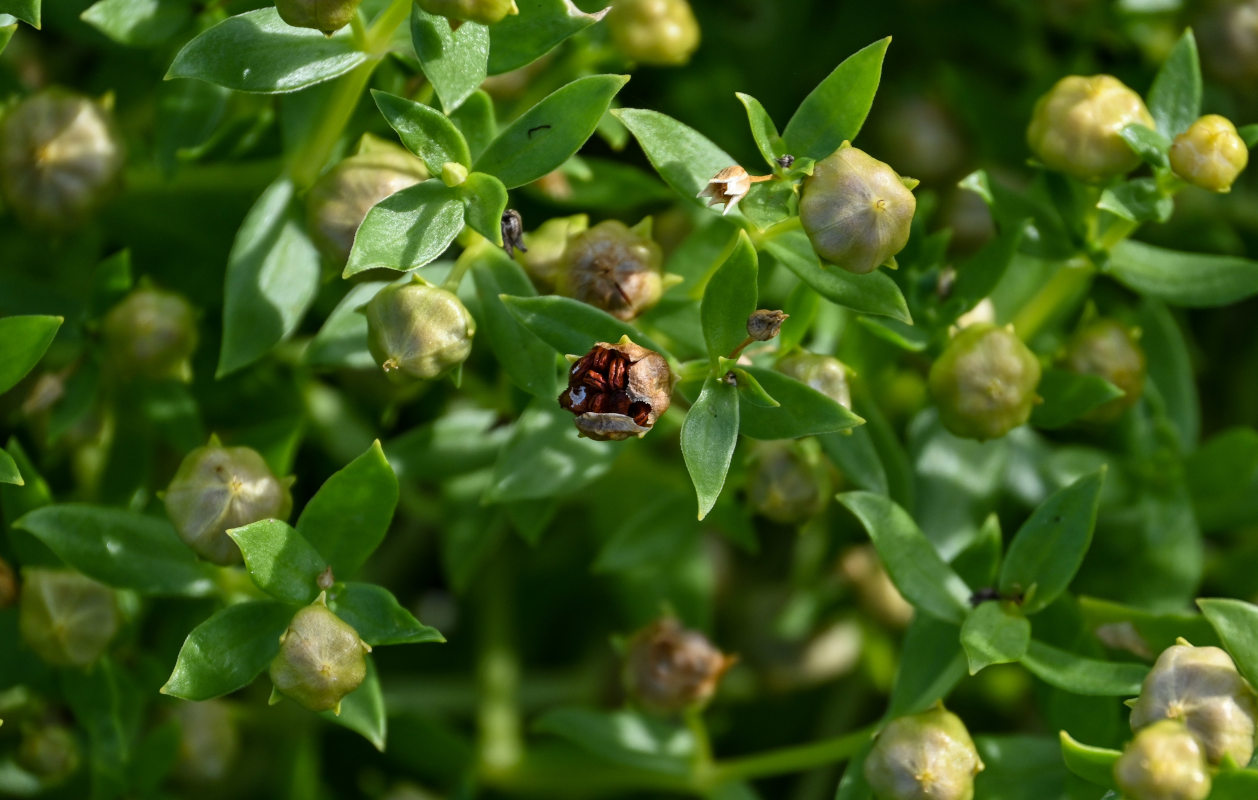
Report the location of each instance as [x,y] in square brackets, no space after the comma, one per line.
[1067,285]
[791,759]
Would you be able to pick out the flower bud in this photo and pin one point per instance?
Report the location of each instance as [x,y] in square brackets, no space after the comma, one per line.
[50,752]
[660,33]
[151,333]
[60,158]
[68,619]
[765,324]
[984,382]
[209,742]
[8,585]
[926,756]
[321,659]
[617,390]
[339,201]
[826,374]
[669,668]
[543,260]
[786,483]
[219,488]
[1104,347]
[1163,762]
[486,12]
[613,267]
[1210,154]
[856,210]
[417,330]
[328,16]
[1076,127]
[1200,687]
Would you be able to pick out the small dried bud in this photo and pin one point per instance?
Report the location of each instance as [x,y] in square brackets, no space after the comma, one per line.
[786,482]
[50,752]
[826,374]
[1163,762]
[68,619]
[856,210]
[670,669]
[613,267]
[984,382]
[328,16]
[656,32]
[1210,154]
[8,585]
[764,324]
[543,258]
[513,232]
[1200,687]
[321,659]
[926,756]
[486,12]
[617,390]
[1104,347]
[60,158]
[1076,127]
[151,333]
[209,742]
[417,330]
[219,488]
[727,187]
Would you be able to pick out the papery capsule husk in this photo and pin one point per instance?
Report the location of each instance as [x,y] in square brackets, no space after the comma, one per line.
[670,669]
[67,618]
[617,390]
[613,267]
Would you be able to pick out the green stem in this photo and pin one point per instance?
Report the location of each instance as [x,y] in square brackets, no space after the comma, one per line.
[702,764]
[498,676]
[791,759]
[455,278]
[1068,284]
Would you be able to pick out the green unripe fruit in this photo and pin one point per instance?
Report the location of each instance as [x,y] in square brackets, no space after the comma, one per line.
[50,752]
[418,330]
[219,488]
[786,483]
[1163,762]
[670,669]
[1076,127]
[926,756]
[856,210]
[543,260]
[1210,154]
[209,740]
[321,659]
[151,333]
[339,201]
[984,383]
[657,32]
[1105,348]
[328,16]
[60,158]
[826,374]
[613,267]
[68,619]
[486,12]
[1200,687]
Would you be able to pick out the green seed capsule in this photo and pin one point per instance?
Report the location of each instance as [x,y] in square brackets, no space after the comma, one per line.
[543,260]
[151,333]
[1210,154]
[417,330]
[926,756]
[68,619]
[328,16]
[856,210]
[321,659]
[1076,127]
[486,12]
[50,752]
[613,267]
[984,383]
[209,741]
[1163,762]
[656,32]
[787,482]
[670,669]
[826,374]
[1105,348]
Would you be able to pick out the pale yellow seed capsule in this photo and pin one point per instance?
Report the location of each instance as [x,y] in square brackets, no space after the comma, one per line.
[1210,154]
[1163,762]
[1076,127]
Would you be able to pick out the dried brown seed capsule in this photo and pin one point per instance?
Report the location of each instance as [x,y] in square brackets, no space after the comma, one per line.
[787,481]
[669,668]
[1163,762]
[727,187]
[68,619]
[328,16]
[826,374]
[50,752]
[764,324]
[1210,154]
[152,333]
[617,390]
[1076,126]
[926,756]
[1106,348]
[8,585]
[321,659]
[486,12]
[657,32]
[984,382]
[418,331]
[613,267]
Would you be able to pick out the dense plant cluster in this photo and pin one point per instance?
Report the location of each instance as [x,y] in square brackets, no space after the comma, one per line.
[719,457]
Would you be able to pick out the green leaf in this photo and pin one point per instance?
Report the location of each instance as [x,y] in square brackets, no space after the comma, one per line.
[708,436]
[547,134]
[994,632]
[749,389]
[125,549]
[683,157]
[624,737]
[978,275]
[528,361]
[570,326]
[475,118]
[875,293]
[1158,630]
[1189,280]
[140,23]
[1068,396]
[763,130]
[931,664]
[1048,549]
[835,111]
[656,534]
[26,339]
[26,10]
[279,57]
[912,562]
[1171,371]
[1150,145]
[425,131]
[9,472]
[854,453]
[1234,784]
[272,278]
[1138,200]
[1080,675]
[460,441]
[348,517]
[1022,767]
[228,650]
[801,410]
[8,27]
[454,61]
[1175,97]
[408,229]
[1046,234]
[1249,134]
[280,560]
[902,335]
[375,613]
[484,201]
[362,710]
[520,39]
[1237,625]
[1222,477]
[729,299]
[546,458]
[1093,764]
[342,341]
